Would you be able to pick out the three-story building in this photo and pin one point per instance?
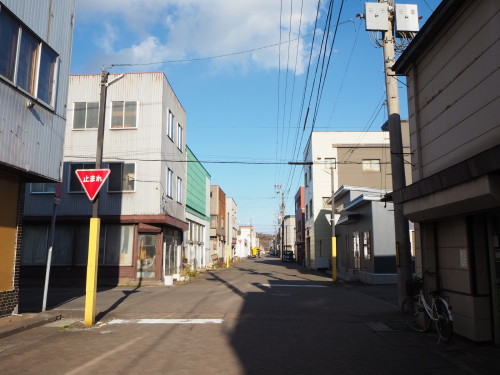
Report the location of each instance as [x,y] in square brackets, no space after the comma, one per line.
[142,203]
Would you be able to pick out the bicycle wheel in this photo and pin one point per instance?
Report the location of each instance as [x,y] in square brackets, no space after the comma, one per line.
[444,325]
[416,317]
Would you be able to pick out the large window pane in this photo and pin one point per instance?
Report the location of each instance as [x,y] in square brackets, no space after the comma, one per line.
[34,250]
[64,239]
[26,68]
[119,245]
[46,75]
[9,31]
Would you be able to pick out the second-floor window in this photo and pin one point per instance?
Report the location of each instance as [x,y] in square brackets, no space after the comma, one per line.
[86,115]
[179,189]
[122,177]
[124,115]
[170,182]
[371,165]
[75,186]
[25,60]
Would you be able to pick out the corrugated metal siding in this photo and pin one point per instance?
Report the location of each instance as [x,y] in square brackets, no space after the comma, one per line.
[32,139]
[146,146]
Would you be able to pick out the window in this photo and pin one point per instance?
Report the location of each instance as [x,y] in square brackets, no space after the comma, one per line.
[170,125]
[371,165]
[43,187]
[311,208]
[26,66]
[170,182]
[116,245]
[179,136]
[124,115]
[179,190]
[86,115]
[367,250]
[306,180]
[75,186]
[46,74]
[34,244]
[25,60]
[122,177]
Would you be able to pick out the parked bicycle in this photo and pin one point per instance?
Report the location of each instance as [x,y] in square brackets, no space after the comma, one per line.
[423,314]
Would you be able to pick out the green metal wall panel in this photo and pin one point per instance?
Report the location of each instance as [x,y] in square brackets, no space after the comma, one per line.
[196,195]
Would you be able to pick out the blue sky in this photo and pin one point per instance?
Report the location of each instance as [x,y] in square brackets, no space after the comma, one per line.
[244,93]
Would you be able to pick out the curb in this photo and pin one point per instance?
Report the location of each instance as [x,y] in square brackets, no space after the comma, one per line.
[24,326]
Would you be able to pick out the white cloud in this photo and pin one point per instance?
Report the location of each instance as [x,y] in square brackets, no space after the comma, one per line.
[141,31]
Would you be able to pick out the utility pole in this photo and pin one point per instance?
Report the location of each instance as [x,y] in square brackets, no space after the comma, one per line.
[95,221]
[332,220]
[282,213]
[402,231]
[381,17]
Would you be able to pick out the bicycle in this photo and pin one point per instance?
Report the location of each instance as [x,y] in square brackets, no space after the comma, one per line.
[438,311]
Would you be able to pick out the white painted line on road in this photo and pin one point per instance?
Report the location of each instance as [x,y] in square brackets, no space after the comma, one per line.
[293,285]
[166,321]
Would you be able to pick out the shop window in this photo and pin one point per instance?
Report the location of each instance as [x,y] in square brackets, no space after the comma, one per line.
[116,245]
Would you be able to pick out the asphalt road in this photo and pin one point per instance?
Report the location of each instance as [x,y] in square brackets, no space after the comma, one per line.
[259,317]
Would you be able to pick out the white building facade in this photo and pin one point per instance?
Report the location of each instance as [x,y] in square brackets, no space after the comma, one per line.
[142,204]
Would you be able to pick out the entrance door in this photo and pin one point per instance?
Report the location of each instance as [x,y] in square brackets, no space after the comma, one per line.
[146,260]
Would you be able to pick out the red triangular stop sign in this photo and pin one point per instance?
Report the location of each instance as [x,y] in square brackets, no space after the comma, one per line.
[92,180]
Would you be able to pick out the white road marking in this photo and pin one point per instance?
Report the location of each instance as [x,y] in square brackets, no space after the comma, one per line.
[166,321]
[292,285]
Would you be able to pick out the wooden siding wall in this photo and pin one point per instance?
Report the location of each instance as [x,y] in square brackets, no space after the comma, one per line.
[453,91]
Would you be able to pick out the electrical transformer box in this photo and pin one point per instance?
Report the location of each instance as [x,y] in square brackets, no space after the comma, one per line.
[376,17]
[406,18]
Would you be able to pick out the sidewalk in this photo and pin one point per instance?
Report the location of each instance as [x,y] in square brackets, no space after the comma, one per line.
[67,304]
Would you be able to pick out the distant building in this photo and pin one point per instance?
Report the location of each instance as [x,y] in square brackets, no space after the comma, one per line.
[358,159]
[452,68]
[288,230]
[246,240]
[231,227]
[300,226]
[142,204]
[35,54]
[197,237]
[217,224]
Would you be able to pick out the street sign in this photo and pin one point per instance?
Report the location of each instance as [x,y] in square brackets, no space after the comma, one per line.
[92,180]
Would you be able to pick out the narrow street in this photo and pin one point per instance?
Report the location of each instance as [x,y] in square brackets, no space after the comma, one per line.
[259,317]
